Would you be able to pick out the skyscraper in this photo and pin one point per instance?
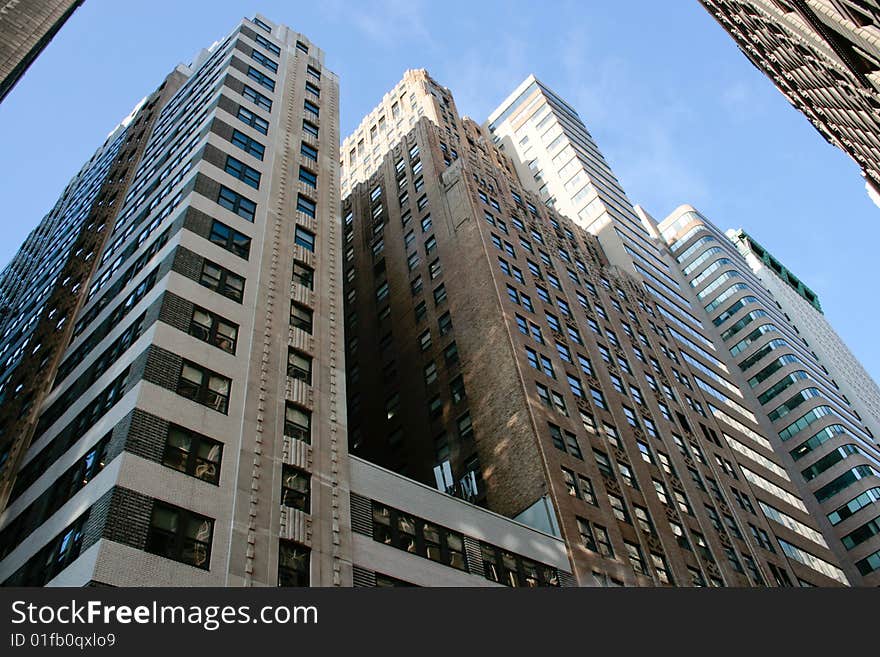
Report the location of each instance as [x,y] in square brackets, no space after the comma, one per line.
[823,55]
[203,381]
[827,446]
[713,364]
[802,306]
[496,352]
[25,29]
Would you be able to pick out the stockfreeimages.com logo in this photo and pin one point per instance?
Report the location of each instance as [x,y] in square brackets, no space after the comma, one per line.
[210,617]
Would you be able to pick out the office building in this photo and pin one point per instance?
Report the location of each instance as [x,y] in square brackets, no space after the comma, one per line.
[802,307]
[824,56]
[203,385]
[826,446]
[496,352]
[25,29]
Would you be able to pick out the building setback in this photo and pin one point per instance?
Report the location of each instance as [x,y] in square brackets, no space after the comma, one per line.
[25,29]
[824,56]
[495,352]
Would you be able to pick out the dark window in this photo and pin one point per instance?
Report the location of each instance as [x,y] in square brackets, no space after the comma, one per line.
[308,177]
[243,172]
[301,317]
[222,281]
[180,535]
[265,61]
[299,366]
[293,564]
[310,128]
[303,274]
[256,122]
[298,423]
[257,98]
[414,535]
[235,202]
[193,454]
[514,570]
[261,78]
[306,205]
[308,151]
[296,487]
[248,145]
[213,329]
[204,386]
[231,240]
[268,45]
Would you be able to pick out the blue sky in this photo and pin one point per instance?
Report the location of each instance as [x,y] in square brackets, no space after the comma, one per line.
[680,114]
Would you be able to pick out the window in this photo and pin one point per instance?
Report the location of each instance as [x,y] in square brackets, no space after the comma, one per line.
[559,402]
[296,488]
[310,129]
[300,317]
[304,238]
[304,275]
[257,123]
[259,57]
[603,463]
[598,398]
[248,145]
[257,98]
[618,507]
[229,239]
[213,329]
[204,386]
[425,339]
[444,323]
[293,564]
[513,570]
[235,202]
[243,172]
[311,109]
[417,536]
[456,390]
[308,177]
[193,454]
[268,45]
[180,535]
[636,558]
[297,423]
[308,152]
[439,294]
[299,366]
[430,372]
[645,451]
[261,78]
[306,205]
[563,352]
[312,89]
